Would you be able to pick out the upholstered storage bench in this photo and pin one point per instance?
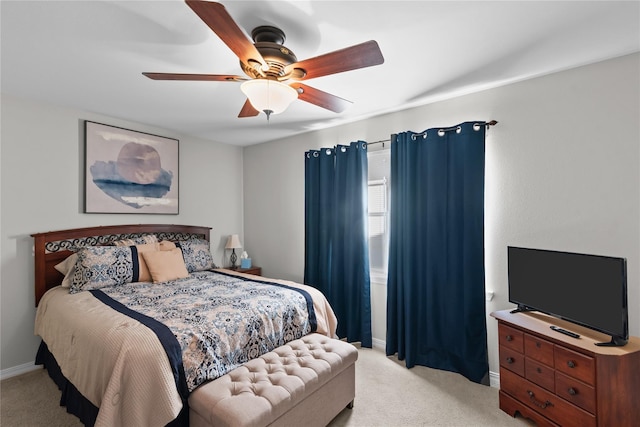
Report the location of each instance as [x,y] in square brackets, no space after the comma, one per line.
[305,382]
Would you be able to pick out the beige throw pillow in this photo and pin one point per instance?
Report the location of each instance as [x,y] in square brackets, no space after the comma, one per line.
[166,245]
[144,275]
[67,268]
[166,265]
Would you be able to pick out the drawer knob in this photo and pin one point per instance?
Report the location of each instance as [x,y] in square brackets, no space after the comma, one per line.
[571,364]
[538,370]
[510,360]
[509,338]
[572,391]
[538,345]
[539,404]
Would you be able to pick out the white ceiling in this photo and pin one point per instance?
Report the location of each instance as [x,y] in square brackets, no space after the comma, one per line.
[90,55]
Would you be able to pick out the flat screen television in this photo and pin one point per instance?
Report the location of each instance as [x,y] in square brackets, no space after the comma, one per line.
[589,290]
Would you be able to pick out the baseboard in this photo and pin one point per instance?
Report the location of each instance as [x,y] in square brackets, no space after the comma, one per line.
[494,379]
[378,343]
[18,370]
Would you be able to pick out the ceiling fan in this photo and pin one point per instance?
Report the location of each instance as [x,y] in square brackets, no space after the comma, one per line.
[269,64]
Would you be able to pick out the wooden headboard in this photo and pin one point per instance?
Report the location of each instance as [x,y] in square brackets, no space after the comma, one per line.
[52,247]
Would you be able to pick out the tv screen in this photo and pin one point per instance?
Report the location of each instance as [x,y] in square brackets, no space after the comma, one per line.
[589,290]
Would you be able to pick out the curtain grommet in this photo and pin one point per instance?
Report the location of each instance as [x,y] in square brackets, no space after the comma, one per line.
[441,132]
[315,154]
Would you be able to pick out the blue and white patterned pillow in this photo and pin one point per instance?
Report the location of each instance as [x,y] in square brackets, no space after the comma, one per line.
[197,255]
[101,266]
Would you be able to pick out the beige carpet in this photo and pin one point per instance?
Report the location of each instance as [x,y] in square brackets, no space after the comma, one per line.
[387,394]
[33,400]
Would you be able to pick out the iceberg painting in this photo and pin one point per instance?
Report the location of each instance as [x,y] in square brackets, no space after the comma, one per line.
[129,171]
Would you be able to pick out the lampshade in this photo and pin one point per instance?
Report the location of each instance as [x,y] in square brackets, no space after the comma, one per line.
[233,242]
[268,95]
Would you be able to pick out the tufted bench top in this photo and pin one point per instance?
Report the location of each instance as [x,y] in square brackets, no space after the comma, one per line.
[261,390]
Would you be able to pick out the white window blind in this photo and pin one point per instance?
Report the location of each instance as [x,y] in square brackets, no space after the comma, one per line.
[379,171]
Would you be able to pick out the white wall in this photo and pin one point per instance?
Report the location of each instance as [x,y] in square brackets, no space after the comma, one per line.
[562,172]
[41,177]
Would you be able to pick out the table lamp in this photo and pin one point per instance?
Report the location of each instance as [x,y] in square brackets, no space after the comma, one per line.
[233,243]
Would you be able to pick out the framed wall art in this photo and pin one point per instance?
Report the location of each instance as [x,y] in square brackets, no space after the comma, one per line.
[129,172]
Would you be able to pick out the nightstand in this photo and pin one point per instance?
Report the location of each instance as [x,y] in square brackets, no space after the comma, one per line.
[251,270]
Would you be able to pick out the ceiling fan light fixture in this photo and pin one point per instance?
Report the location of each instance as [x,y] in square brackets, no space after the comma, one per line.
[268,95]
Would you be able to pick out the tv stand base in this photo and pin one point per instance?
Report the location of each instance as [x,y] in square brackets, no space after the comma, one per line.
[615,342]
[521,309]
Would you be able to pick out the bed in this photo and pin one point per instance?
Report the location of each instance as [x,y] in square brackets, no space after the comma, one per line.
[131,331]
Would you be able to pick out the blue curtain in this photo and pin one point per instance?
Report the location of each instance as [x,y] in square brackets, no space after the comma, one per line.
[336,243]
[435,292]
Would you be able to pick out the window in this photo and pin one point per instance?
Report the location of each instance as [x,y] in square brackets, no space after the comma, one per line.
[379,191]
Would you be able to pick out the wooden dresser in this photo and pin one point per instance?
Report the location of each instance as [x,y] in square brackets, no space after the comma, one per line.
[557,380]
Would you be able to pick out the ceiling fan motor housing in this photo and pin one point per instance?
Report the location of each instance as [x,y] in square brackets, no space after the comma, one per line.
[269,42]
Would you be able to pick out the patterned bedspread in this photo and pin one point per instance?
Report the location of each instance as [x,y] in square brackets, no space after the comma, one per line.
[221,321]
[217,321]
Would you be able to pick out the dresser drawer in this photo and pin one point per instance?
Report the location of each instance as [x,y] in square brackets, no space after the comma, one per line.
[512,407]
[545,402]
[511,360]
[575,364]
[539,373]
[576,392]
[538,349]
[511,337]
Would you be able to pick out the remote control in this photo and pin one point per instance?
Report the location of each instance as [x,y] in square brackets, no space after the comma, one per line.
[564,331]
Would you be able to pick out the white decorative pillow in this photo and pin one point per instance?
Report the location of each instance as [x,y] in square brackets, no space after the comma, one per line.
[67,268]
[101,266]
[166,265]
[197,255]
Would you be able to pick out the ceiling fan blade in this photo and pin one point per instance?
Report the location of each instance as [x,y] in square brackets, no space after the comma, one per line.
[248,110]
[215,15]
[320,98]
[361,55]
[199,77]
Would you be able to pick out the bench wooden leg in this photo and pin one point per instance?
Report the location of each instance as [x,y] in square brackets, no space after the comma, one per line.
[350,405]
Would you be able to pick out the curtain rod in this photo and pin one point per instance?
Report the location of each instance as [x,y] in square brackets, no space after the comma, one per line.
[383,141]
